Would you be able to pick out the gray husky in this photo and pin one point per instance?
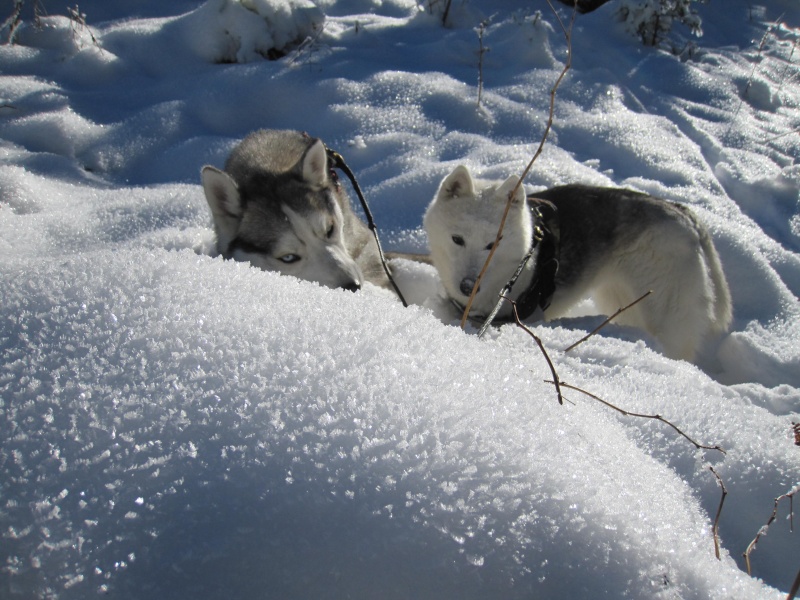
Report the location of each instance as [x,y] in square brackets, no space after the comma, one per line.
[279,205]
[610,244]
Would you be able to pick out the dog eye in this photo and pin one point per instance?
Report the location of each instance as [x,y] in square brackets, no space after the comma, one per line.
[330,231]
[289,258]
[458,240]
[489,246]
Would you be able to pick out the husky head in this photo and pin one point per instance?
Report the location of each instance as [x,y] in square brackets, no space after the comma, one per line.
[277,206]
[462,223]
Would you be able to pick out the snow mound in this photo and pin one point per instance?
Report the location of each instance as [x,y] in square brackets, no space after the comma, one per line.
[172,448]
[240,31]
[173,425]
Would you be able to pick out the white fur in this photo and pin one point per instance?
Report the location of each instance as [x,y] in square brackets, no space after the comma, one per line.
[473,213]
[673,256]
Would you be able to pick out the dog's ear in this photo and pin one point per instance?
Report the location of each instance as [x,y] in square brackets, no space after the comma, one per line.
[222,195]
[459,183]
[504,191]
[314,164]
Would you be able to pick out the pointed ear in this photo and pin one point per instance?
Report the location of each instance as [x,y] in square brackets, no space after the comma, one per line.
[458,184]
[225,203]
[507,187]
[314,164]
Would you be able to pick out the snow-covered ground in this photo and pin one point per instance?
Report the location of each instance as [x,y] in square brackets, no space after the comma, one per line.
[178,426]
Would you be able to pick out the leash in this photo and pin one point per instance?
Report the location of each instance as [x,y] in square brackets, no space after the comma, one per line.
[540,292]
[337,162]
[543,285]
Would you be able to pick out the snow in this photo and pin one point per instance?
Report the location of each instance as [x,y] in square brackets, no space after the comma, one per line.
[175,425]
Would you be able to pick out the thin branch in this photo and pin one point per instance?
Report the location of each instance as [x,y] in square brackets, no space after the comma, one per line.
[777,137]
[749,80]
[795,588]
[308,46]
[78,22]
[551,117]
[477,284]
[763,530]
[556,381]
[715,529]
[482,50]
[609,319]
[13,21]
[641,416]
[446,12]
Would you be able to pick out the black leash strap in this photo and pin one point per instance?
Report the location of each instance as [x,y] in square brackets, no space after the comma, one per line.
[543,286]
[337,162]
[540,292]
[509,286]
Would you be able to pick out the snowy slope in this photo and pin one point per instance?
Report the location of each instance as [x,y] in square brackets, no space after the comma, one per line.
[174,425]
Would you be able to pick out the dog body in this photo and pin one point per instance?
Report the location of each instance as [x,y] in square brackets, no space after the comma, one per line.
[279,206]
[611,244]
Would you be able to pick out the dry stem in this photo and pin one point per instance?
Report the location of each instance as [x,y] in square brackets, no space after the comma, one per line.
[609,319]
[551,116]
[13,22]
[749,80]
[483,50]
[556,381]
[795,587]
[640,415]
[763,530]
[715,529]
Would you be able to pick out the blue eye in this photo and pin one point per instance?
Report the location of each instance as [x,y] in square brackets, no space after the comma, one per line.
[458,240]
[289,258]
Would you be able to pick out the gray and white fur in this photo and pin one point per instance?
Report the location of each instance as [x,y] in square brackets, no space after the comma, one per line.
[612,245]
[278,205]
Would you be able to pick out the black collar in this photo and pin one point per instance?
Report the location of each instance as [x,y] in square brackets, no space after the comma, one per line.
[540,290]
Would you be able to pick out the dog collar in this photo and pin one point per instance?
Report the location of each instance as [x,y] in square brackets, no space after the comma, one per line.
[540,291]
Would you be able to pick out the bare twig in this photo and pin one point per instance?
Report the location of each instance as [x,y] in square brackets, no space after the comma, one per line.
[641,416]
[777,137]
[446,12]
[551,116]
[78,22]
[763,530]
[556,381]
[308,46]
[761,45]
[715,529]
[609,319]
[481,51]
[795,588]
[13,21]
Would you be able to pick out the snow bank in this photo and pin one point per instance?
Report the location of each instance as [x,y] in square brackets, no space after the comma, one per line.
[176,425]
[247,30]
[169,437]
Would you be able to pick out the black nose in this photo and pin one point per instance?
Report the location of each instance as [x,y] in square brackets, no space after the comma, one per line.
[466,286]
[353,286]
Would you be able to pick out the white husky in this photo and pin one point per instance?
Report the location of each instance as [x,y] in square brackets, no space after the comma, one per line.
[610,244]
